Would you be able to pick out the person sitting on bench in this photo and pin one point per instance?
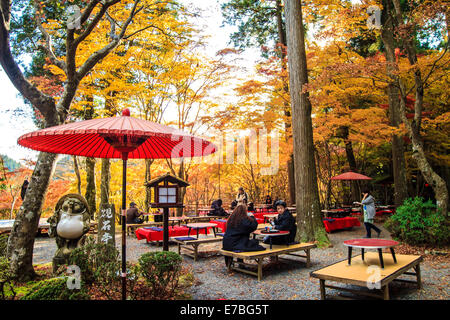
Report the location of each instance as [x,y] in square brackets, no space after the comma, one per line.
[133,214]
[217,210]
[284,222]
[240,225]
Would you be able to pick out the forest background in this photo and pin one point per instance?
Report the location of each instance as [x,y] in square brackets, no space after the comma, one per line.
[226,96]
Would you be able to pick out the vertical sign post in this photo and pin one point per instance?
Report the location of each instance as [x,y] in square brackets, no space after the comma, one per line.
[106,228]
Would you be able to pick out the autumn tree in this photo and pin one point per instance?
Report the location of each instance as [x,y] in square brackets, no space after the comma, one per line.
[406,23]
[55,111]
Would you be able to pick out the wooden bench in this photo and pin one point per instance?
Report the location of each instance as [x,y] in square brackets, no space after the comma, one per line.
[131,227]
[368,273]
[188,242]
[259,256]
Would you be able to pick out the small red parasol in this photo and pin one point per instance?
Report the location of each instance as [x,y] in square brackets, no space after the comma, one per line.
[351,176]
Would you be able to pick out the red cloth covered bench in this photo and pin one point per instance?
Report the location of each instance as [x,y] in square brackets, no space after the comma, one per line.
[157,235]
[332,224]
[222,223]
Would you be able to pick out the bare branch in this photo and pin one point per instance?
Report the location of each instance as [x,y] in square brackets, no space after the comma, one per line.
[48,40]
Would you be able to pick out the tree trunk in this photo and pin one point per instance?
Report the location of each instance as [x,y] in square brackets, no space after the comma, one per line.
[90,194]
[287,111]
[148,191]
[310,225]
[398,158]
[21,239]
[77,173]
[105,179]
[343,133]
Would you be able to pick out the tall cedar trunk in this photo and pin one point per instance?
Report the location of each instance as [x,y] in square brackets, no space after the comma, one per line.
[287,109]
[181,175]
[310,226]
[90,194]
[148,177]
[398,158]
[105,179]
[21,239]
[431,177]
[77,173]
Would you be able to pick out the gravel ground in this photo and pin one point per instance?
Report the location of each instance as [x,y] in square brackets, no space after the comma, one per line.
[281,281]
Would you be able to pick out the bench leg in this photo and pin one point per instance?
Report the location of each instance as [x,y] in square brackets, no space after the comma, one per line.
[322,289]
[179,248]
[259,268]
[195,251]
[308,258]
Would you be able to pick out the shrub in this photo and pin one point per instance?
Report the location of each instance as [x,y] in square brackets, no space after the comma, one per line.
[100,264]
[418,222]
[161,272]
[92,259]
[55,289]
[6,280]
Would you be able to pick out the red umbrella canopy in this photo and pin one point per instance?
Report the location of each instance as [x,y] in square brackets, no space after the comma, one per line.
[111,137]
[351,176]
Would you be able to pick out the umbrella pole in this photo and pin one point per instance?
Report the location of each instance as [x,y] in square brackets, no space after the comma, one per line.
[124,225]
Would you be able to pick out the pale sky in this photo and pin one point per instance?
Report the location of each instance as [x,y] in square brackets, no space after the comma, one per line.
[12,127]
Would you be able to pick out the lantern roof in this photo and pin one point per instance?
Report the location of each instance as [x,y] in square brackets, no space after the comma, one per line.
[166,178]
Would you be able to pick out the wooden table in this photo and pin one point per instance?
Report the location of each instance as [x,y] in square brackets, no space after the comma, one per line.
[368,243]
[271,234]
[199,225]
[361,274]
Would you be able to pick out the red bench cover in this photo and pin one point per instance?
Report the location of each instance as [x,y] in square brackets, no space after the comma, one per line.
[340,223]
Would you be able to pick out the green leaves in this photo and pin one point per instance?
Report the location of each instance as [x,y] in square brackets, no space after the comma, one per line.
[419,222]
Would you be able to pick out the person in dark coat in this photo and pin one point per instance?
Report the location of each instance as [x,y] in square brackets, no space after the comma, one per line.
[23,191]
[133,214]
[240,225]
[216,209]
[268,200]
[284,222]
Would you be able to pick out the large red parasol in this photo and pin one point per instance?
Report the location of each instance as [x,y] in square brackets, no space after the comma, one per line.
[351,176]
[118,137]
[112,137]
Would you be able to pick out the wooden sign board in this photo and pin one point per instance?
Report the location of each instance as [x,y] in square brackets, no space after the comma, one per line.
[106,224]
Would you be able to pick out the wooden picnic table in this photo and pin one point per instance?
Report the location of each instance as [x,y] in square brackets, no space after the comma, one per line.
[201,225]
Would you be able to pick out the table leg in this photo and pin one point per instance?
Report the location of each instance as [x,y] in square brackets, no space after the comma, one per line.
[380,254]
[322,289]
[270,241]
[259,269]
[418,276]
[197,233]
[362,253]
[386,291]
[393,255]
[214,230]
[349,255]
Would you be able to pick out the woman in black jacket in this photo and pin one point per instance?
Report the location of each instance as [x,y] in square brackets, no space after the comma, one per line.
[239,227]
[284,222]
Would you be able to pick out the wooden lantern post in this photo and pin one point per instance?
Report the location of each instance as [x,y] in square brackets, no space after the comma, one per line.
[166,191]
